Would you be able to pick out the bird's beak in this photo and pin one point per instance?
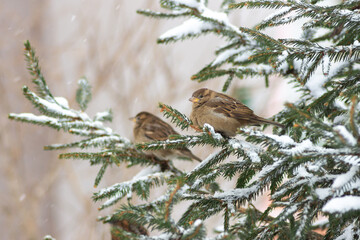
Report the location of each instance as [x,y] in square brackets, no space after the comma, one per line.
[193,99]
[132,119]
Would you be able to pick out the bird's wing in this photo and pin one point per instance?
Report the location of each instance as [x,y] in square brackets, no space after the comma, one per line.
[230,107]
[159,131]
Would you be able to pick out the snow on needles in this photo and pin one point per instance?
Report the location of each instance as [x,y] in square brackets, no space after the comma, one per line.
[207,20]
[235,194]
[62,101]
[224,56]
[192,26]
[204,162]
[55,108]
[345,178]
[39,119]
[250,150]
[346,135]
[211,129]
[342,204]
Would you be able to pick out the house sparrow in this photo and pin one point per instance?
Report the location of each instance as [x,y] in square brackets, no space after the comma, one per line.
[224,113]
[149,128]
[126,225]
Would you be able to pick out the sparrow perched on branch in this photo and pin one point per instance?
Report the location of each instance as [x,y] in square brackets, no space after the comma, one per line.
[224,113]
[149,128]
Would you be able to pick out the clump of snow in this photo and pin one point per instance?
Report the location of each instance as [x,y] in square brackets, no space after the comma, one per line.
[217,16]
[119,190]
[351,15]
[195,26]
[326,65]
[253,156]
[244,56]
[100,116]
[353,160]
[301,147]
[211,129]
[147,171]
[343,179]
[224,56]
[323,193]
[102,141]
[219,228]
[347,233]
[283,140]
[62,101]
[342,204]
[346,135]
[315,85]
[197,222]
[302,172]
[39,119]
[192,26]
[340,119]
[236,194]
[55,108]
[250,150]
[264,171]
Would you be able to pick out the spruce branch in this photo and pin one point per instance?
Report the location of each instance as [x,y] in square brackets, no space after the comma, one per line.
[141,186]
[83,94]
[179,184]
[310,172]
[260,4]
[34,119]
[261,37]
[154,14]
[176,117]
[35,71]
[100,174]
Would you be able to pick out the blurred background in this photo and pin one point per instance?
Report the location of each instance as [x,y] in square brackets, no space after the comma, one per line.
[116,50]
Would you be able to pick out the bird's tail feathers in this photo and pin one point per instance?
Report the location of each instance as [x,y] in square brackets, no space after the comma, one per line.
[263,120]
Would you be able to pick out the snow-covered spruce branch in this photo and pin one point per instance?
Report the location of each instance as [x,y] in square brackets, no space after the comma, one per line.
[139,184]
[287,146]
[57,113]
[345,12]
[154,212]
[203,20]
[310,51]
[149,216]
[71,121]
[117,156]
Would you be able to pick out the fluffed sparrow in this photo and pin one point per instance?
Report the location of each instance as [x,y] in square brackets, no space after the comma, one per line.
[149,128]
[224,113]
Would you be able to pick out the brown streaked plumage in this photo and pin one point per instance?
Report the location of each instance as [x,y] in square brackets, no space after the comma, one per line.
[118,226]
[149,128]
[224,113]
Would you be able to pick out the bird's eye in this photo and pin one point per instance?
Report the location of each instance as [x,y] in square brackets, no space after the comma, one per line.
[200,96]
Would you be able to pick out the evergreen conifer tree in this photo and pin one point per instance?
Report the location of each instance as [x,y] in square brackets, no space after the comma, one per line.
[312,168]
